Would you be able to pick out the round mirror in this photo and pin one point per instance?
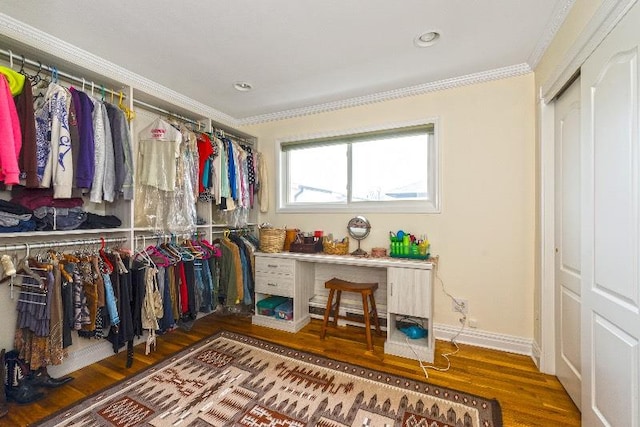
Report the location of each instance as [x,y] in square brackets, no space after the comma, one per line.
[358,228]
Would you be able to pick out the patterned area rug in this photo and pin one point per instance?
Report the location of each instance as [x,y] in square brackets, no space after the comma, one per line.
[234,380]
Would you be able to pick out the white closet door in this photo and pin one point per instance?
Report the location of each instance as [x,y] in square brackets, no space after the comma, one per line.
[567,240]
[610,230]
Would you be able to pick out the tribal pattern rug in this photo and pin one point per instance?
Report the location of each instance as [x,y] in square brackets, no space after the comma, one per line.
[234,380]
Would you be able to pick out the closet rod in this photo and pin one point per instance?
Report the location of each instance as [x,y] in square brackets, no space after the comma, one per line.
[188,120]
[37,65]
[168,113]
[47,245]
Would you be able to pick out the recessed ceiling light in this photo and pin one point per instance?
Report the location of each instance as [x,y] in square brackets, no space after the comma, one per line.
[242,86]
[427,39]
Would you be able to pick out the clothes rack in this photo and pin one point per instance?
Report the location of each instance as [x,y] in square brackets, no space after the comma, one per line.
[40,66]
[170,114]
[43,67]
[48,245]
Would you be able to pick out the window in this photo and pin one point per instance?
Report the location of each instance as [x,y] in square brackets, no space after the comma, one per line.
[380,170]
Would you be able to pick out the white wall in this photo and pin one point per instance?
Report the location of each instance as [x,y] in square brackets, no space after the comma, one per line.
[485,233]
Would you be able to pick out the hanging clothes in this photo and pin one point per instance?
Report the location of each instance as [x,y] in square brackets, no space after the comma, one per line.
[32,337]
[27,160]
[55,140]
[85,163]
[158,151]
[10,134]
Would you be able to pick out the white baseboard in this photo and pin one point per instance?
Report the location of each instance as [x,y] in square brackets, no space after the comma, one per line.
[86,356]
[486,339]
[535,348]
[502,342]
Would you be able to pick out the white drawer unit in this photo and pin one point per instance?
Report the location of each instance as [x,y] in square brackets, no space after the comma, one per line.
[275,266]
[274,284]
[277,277]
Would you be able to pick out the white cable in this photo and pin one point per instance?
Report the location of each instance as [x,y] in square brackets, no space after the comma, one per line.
[463,321]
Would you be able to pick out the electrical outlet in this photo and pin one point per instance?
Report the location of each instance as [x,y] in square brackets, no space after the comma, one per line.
[460,305]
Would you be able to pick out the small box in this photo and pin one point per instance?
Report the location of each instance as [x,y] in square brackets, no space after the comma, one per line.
[267,306]
[285,310]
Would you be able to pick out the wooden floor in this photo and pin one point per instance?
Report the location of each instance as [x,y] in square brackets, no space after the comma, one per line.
[527,397]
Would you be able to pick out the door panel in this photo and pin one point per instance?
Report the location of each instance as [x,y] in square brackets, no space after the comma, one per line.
[567,238]
[608,400]
[610,233]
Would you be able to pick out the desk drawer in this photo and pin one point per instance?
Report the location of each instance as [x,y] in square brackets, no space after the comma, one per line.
[275,284]
[274,266]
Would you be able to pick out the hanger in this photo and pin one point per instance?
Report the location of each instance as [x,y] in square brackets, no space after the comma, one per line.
[144,256]
[183,253]
[128,113]
[26,301]
[154,251]
[196,250]
[107,264]
[21,71]
[25,270]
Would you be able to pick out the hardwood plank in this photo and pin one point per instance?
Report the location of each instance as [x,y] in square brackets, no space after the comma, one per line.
[527,397]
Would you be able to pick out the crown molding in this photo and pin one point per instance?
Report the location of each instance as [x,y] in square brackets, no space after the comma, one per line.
[485,76]
[559,14]
[44,42]
[603,21]
[41,41]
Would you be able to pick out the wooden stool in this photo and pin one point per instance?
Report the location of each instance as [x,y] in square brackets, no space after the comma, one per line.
[364,289]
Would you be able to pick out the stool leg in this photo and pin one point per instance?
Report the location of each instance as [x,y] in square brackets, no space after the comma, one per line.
[367,321]
[374,313]
[337,308]
[327,313]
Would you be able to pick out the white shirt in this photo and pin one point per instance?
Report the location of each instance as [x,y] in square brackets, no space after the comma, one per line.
[159,149]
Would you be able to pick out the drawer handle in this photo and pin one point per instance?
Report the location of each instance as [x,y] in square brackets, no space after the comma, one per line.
[272,284]
[272,266]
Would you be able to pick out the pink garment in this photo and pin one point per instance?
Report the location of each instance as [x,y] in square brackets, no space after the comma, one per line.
[10,135]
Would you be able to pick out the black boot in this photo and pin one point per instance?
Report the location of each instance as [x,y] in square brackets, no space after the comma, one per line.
[3,394]
[17,388]
[41,378]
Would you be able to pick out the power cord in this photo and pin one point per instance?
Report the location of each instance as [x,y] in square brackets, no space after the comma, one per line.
[463,322]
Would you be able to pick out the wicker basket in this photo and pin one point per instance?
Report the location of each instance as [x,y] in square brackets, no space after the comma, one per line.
[332,248]
[272,239]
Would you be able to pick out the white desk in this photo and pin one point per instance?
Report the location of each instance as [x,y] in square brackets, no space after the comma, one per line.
[405,290]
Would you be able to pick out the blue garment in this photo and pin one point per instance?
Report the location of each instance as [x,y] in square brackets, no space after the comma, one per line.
[60,218]
[232,171]
[199,287]
[208,284]
[29,225]
[167,322]
[206,175]
[246,278]
[112,305]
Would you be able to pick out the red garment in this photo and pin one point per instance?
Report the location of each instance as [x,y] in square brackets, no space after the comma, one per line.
[205,150]
[10,135]
[184,295]
[34,198]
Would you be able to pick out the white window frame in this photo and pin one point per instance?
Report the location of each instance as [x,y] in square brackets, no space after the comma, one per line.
[430,206]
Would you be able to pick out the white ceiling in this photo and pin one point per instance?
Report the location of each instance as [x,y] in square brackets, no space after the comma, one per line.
[298,53]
